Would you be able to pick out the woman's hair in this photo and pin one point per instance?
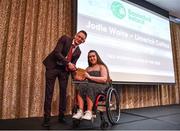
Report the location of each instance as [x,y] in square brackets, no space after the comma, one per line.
[99,61]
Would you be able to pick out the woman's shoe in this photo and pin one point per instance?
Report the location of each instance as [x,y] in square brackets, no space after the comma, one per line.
[78,115]
[87,116]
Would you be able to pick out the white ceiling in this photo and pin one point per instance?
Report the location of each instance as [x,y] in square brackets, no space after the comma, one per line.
[173,6]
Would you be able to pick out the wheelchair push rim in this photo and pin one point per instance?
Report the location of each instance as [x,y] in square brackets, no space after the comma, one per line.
[113,106]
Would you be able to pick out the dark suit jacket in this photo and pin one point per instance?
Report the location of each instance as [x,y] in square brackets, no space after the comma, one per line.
[57,57]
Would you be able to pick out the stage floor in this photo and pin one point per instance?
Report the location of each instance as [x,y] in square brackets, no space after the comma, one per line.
[149,118]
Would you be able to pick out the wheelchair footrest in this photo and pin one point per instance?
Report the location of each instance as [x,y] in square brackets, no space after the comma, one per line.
[101,108]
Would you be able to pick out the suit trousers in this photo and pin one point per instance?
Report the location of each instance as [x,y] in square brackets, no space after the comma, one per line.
[51,75]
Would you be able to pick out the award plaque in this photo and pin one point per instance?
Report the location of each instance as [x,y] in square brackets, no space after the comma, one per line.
[80,74]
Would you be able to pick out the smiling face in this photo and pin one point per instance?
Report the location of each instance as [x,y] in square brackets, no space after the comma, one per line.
[92,58]
[79,38]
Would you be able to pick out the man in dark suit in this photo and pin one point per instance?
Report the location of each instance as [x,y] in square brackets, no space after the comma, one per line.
[59,64]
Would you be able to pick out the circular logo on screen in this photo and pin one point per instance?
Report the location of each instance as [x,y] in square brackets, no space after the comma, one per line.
[118,10]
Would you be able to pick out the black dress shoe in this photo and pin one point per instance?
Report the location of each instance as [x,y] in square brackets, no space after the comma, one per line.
[46,122]
[62,118]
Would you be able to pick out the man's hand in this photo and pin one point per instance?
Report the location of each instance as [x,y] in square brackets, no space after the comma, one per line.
[71,66]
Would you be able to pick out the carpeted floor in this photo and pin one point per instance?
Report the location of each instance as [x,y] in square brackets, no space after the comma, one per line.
[150,118]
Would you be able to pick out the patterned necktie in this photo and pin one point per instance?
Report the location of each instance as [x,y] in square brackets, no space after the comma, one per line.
[69,56]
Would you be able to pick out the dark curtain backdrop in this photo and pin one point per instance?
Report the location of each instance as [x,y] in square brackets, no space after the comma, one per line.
[29,30]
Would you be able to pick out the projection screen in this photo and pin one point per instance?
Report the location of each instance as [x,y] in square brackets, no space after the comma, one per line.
[134,42]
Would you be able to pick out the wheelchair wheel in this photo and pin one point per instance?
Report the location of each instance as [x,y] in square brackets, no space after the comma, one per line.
[113,106]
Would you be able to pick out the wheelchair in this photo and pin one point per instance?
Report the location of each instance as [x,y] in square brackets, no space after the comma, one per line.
[106,102]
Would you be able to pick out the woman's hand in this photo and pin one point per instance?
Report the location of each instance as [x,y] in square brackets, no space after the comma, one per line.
[87,75]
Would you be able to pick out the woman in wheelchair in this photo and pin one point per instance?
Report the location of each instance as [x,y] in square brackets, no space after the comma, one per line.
[97,75]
